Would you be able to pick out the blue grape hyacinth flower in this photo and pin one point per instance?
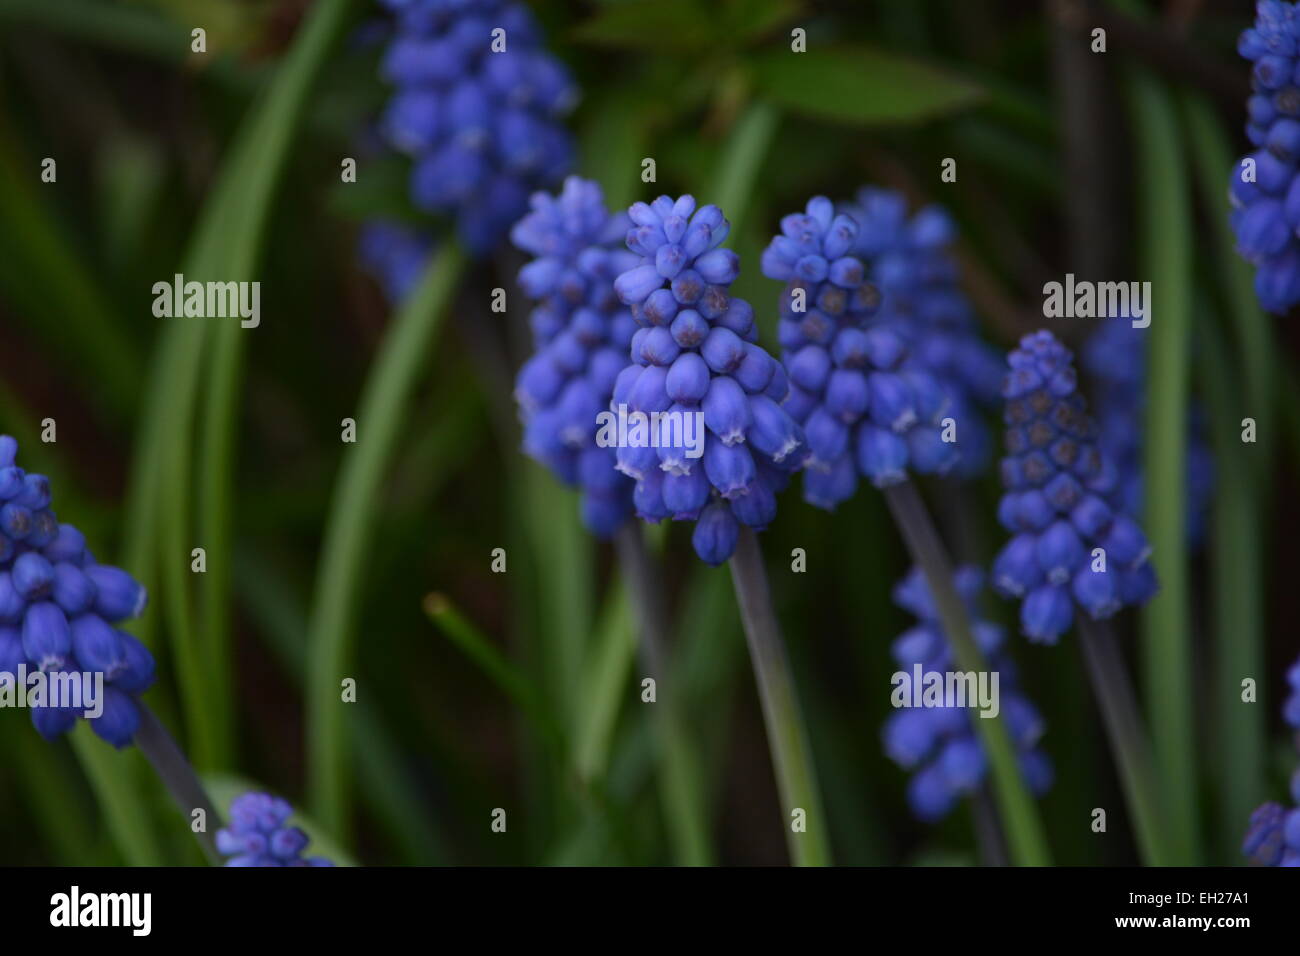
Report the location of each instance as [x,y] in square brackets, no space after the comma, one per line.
[1115,360]
[477,105]
[395,255]
[864,407]
[582,334]
[1264,187]
[257,834]
[58,608]
[910,260]
[1071,545]
[940,743]
[696,358]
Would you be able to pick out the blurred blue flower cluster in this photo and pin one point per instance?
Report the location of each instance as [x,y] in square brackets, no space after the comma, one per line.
[695,356]
[1266,191]
[864,408]
[1273,836]
[1070,544]
[1115,359]
[57,611]
[940,743]
[395,254]
[257,835]
[582,334]
[477,106]
[909,261]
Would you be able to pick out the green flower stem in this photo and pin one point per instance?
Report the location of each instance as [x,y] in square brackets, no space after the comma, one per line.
[1020,819]
[1128,738]
[681,786]
[178,776]
[349,532]
[787,738]
[1164,216]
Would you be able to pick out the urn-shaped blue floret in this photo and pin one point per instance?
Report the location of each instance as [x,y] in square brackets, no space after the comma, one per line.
[582,334]
[1263,185]
[58,608]
[708,440]
[866,406]
[259,835]
[1071,545]
[938,740]
[477,105]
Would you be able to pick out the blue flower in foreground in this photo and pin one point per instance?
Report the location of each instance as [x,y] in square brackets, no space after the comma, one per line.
[863,407]
[1071,545]
[1265,192]
[727,447]
[257,835]
[940,743]
[582,334]
[1115,359]
[477,106]
[1273,837]
[910,262]
[57,611]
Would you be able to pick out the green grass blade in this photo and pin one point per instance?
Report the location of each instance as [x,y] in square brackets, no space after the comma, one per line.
[1243,490]
[115,778]
[605,688]
[1164,217]
[350,526]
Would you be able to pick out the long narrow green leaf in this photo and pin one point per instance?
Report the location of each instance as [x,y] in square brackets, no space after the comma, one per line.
[1166,230]
[605,684]
[1243,490]
[350,526]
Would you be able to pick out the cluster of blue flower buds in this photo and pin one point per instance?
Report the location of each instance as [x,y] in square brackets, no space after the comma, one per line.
[940,743]
[696,358]
[862,408]
[58,608]
[1071,545]
[1273,837]
[477,105]
[582,334]
[1264,187]
[257,834]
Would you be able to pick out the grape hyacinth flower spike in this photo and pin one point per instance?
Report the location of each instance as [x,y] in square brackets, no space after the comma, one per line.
[258,834]
[582,334]
[1071,547]
[1264,187]
[865,408]
[696,358]
[1273,837]
[59,645]
[722,452]
[59,609]
[477,106]
[862,408]
[940,743]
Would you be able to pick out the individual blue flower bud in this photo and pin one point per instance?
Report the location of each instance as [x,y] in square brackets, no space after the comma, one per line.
[882,455]
[33,576]
[46,637]
[72,589]
[97,646]
[726,410]
[715,534]
[120,720]
[118,596]
[1046,613]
